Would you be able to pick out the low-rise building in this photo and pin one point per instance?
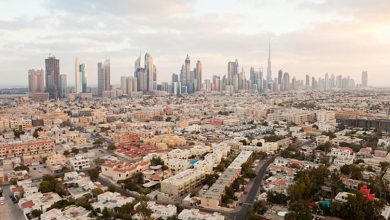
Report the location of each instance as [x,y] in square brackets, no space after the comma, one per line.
[79,162]
[182,182]
[195,214]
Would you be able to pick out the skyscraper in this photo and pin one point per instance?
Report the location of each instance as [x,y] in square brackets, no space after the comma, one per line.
[175,78]
[77,74]
[63,86]
[107,75]
[280,77]
[232,71]
[199,75]
[52,76]
[104,77]
[150,72]
[101,83]
[307,84]
[269,72]
[364,79]
[286,81]
[145,75]
[84,77]
[36,80]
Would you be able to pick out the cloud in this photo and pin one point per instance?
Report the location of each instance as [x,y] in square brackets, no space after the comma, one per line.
[122,7]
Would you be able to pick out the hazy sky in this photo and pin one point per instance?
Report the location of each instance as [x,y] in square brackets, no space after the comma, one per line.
[308,36]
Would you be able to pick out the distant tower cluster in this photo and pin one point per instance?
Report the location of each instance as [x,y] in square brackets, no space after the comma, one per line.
[145,74]
[51,84]
[190,80]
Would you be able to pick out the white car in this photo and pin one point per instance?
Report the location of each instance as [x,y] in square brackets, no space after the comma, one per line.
[1,200]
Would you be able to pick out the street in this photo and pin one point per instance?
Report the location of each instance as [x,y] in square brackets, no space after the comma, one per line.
[9,210]
[241,214]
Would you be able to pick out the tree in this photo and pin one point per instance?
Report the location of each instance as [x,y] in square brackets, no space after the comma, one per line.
[83,202]
[22,167]
[210,179]
[17,133]
[244,142]
[61,204]
[357,207]
[106,214]
[277,198]
[36,132]
[138,178]
[298,211]
[112,188]
[46,186]
[260,207]
[98,142]
[75,150]
[35,213]
[144,211]
[384,166]
[93,174]
[97,191]
[111,147]
[155,161]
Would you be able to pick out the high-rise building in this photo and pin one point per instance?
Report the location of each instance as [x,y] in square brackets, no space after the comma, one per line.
[175,78]
[104,77]
[216,83]
[36,79]
[101,83]
[280,77]
[78,80]
[286,81]
[107,75]
[198,75]
[232,71]
[52,65]
[146,75]
[364,79]
[269,72]
[63,86]
[84,78]
[307,83]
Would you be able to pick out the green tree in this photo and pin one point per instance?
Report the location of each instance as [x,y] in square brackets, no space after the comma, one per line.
[298,211]
[111,147]
[112,188]
[144,211]
[36,213]
[36,132]
[277,198]
[75,150]
[93,174]
[357,208]
[97,191]
[22,167]
[260,207]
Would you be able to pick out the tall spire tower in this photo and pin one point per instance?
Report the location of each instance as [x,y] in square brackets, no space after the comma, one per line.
[269,72]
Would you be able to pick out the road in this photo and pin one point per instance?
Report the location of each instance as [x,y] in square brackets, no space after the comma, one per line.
[9,210]
[252,194]
[249,200]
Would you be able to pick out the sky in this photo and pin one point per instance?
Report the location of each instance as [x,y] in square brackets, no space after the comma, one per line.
[307,36]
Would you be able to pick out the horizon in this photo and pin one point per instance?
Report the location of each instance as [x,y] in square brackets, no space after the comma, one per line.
[311,37]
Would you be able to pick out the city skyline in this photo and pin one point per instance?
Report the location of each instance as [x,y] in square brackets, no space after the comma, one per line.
[315,42]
